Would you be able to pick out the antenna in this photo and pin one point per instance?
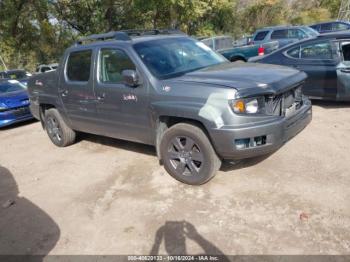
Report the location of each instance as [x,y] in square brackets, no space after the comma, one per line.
[344,10]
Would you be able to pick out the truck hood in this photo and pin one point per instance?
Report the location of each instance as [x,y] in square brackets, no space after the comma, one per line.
[247,78]
[15,99]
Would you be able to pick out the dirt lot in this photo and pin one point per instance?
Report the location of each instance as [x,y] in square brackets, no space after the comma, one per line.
[105,196]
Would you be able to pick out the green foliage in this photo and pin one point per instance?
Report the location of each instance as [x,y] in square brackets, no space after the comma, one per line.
[39,30]
[264,13]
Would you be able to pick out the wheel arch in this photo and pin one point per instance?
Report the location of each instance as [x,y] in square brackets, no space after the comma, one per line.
[165,121]
[235,58]
[42,108]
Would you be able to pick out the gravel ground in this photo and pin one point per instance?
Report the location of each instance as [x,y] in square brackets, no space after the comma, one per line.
[106,196]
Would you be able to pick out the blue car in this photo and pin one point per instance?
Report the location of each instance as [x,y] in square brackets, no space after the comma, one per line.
[333,26]
[14,103]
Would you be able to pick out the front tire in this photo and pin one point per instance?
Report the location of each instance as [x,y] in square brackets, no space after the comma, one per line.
[188,155]
[58,131]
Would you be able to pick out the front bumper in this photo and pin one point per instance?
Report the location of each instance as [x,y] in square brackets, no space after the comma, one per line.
[276,133]
[14,116]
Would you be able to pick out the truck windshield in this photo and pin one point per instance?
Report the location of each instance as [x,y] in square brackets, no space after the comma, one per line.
[8,87]
[172,57]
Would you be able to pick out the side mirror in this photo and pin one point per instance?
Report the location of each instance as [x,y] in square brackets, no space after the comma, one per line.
[130,78]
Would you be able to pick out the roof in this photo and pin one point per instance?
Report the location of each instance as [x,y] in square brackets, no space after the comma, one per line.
[128,36]
[281,27]
[334,21]
[336,35]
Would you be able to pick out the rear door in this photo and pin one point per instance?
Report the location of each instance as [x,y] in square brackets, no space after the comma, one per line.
[76,90]
[319,60]
[122,110]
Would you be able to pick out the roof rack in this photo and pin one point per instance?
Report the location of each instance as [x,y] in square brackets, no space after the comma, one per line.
[125,35]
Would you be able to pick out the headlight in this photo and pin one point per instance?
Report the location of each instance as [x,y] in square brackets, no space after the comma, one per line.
[248,105]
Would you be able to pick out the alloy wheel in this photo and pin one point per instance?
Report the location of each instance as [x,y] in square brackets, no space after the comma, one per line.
[185,156]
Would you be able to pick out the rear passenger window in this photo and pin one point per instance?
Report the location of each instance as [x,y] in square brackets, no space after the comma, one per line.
[112,63]
[78,66]
[326,27]
[279,34]
[261,36]
[318,51]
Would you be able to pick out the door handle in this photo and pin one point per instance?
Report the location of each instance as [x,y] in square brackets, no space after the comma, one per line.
[101,97]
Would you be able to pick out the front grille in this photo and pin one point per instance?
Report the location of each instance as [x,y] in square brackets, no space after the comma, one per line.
[20,111]
[284,103]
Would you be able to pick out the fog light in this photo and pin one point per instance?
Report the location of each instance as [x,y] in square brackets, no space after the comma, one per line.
[242,143]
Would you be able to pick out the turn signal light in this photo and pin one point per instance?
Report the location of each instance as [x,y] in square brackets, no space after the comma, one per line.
[239,106]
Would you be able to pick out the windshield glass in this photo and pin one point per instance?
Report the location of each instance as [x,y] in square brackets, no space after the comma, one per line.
[16,74]
[171,57]
[7,87]
[311,31]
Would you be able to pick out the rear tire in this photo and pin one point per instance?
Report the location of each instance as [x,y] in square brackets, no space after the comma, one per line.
[58,131]
[188,155]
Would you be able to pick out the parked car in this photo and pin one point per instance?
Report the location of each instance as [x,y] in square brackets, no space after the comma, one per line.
[224,46]
[283,34]
[173,92]
[329,27]
[14,103]
[325,59]
[18,74]
[46,68]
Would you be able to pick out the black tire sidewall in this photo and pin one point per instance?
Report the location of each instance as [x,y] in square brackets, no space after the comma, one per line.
[53,113]
[209,167]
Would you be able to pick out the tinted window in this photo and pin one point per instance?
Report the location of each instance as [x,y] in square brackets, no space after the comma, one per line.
[321,50]
[78,66]
[261,36]
[326,27]
[316,27]
[294,52]
[112,64]
[172,57]
[45,68]
[345,48]
[340,27]
[279,34]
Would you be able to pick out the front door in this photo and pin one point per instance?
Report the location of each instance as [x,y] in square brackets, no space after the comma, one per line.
[122,109]
[76,90]
[343,71]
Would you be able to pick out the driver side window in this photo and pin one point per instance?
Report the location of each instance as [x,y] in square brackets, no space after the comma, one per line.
[112,63]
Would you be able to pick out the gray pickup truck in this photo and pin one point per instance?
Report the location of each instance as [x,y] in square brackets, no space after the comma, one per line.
[166,89]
